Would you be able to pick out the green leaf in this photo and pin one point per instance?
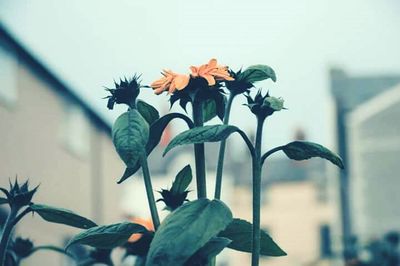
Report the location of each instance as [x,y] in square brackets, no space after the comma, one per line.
[149,113]
[130,134]
[3,201]
[240,232]
[303,150]
[257,73]
[186,230]
[182,180]
[208,251]
[209,110]
[108,236]
[274,103]
[156,130]
[62,216]
[203,134]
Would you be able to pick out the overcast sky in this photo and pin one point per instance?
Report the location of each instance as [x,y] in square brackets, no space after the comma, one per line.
[89,43]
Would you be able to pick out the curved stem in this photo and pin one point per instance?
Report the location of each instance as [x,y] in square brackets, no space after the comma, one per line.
[149,191]
[199,153]
[21,215]
[5,236]
[268,153]
[53,248]
[221,155]
[257,194]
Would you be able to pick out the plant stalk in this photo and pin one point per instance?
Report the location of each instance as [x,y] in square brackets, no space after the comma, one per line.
[221,155]
[199,153]
[257,194]
[5,237]
[149,191]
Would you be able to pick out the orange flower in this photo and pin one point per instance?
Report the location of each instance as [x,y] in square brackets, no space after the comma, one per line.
[211,72]
[170,82]
[146,223]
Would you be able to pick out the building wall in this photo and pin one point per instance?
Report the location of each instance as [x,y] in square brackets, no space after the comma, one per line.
[292,213]
[37,131]
[374,148]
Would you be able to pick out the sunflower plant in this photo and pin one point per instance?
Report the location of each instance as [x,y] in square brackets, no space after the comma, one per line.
[196,231]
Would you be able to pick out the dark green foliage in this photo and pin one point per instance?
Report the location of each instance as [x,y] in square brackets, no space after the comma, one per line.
[202,134]
[125,92]
[186,230]
[303,150]
[141,246]
[211,249]
[62,216]
[18,195]
[156,131]
[22,248]
[257,73]
[108,236]
[264,106]
[3,200]
[149,113]
[240,232]
[182,180]
[130,134]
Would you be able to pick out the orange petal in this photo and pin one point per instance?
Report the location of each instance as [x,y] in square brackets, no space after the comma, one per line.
[181,81]
[210,79]
[195,71]
[212,63]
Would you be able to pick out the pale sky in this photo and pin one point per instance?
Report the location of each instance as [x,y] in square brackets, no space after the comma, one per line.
[90,43]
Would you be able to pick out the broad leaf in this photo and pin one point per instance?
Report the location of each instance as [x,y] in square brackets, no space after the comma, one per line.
[186,230]
[3,201]
[62,216]
[130,134]
[156,131]
[203,134]
[303,150]
[240,232]
[108,236]
[149,113]
[257,73]
[209,110]
[182,180]
[208,251]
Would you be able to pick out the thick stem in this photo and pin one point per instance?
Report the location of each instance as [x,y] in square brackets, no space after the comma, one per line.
[5,237]
[149,191]
[199,154]
[221,155]
[257,194]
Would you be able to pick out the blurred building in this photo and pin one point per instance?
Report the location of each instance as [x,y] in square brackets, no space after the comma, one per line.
[367,118]
[374,148]
[299,209]
[53,138]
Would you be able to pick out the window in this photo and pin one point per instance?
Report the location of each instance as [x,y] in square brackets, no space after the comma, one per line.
[325,241]
[75,131]
[8,76]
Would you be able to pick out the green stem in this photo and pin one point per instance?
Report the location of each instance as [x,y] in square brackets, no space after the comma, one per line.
[53,248]
[257,194]
[270,152]
[221,155]
[149,191]
[5,237]
[199,154]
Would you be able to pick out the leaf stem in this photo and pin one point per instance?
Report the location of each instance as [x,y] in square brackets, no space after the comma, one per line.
[257,194]
[221,155]
[199,153]
[270,152]
[149,191]
[5,236]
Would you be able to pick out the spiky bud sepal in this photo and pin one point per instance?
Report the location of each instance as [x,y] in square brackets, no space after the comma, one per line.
[125,92]
[19,195]
[264,106]
[173,200]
